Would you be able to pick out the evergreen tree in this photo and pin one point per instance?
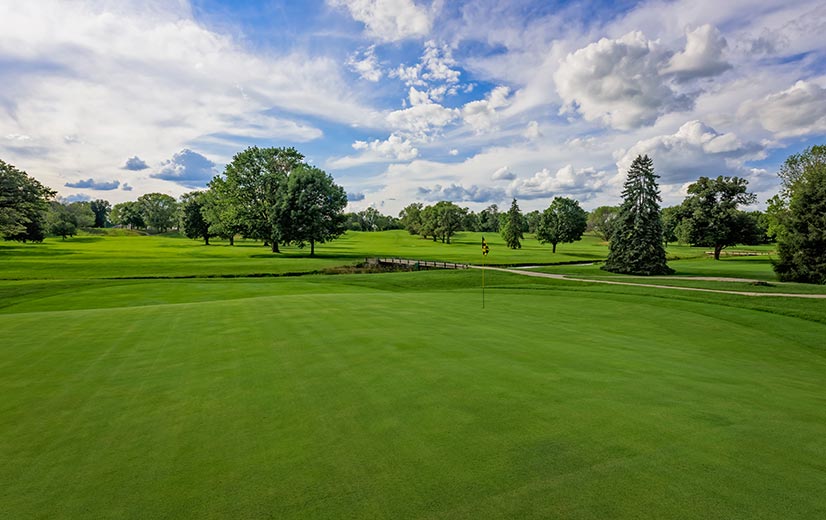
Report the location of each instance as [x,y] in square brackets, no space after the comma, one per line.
[636,245]
[512,230]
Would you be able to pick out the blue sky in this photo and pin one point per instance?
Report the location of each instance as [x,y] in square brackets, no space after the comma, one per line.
[411,100]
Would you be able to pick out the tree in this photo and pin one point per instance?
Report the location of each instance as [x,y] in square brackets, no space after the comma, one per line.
[256,179]
[428,222]
[563,222]
[801,238]
[129,214]
[710,216]
[777,212]
[411,218]
[601,221]
[471,221]
[636,245]
[221,212]
[101,209]
[489,219]
[159,211]
[512,230]
[313,208]
[23,205]
[65,219]
[447,219]
[800,165]
[533,219]
[671,218]
[193,222]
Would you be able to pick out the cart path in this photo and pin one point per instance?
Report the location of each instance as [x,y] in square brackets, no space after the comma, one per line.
[525,272]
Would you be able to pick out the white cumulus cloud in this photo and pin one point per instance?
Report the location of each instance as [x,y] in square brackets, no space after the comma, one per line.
[618,82]
[422,121]
[482,115]
[797,111]
[389,20]
[582,183]
[703,55]
[503,174]
[693,151]
[393,149]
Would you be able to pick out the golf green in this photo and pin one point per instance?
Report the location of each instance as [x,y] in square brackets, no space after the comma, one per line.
[398,396]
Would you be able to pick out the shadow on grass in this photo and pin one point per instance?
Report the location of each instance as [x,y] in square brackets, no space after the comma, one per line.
[24,252]
[84,240]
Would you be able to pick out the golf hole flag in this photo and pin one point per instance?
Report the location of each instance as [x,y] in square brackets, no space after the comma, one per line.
[485,247]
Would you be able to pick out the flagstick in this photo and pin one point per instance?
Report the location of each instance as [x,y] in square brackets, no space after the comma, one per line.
[484,263]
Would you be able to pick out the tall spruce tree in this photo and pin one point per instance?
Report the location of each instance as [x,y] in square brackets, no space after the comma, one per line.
[636,245]
[512,230]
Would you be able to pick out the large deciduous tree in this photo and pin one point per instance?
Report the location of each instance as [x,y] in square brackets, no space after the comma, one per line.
[511,231]
[800,218]
[193,222]
[24,203]
[65,219]
[601,221]
[411,218]
[563,222]
[489,219]
[221,212]
[128,214]
[710,217]
[313,208]
[447,219]
[257,180]
[159,211]
[101,209]
[636,245]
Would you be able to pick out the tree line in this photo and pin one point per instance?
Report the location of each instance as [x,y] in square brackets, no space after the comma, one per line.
[271,194]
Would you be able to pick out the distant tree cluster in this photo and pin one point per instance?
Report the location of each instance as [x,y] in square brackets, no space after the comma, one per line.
[439,222]
[371,219]
[269,194]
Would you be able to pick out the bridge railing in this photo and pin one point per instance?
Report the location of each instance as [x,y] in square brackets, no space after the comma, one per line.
[418,264]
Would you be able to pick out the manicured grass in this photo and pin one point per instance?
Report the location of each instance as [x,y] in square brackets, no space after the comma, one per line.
[748,267]
[128,256]
[397,396]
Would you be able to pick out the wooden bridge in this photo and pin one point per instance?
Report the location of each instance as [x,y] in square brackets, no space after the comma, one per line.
[416,264]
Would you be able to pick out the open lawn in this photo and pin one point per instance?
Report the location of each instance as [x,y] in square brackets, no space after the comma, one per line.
[396,395]
[124,256]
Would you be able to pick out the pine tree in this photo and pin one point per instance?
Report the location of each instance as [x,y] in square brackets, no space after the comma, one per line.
[512,230]
[636,245]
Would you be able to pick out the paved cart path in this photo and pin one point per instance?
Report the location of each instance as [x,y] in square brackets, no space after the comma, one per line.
[525,272]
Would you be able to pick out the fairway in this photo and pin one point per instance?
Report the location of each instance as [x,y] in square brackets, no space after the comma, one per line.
[397,396]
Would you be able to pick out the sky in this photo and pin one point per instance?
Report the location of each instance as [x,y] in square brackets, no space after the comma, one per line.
[403,101]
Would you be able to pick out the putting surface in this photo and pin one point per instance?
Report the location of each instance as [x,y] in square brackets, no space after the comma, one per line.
[382,396]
